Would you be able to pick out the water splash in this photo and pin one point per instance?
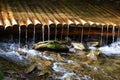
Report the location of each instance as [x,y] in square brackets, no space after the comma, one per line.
[43,33]
[56,33]
[48,32]
[118,34]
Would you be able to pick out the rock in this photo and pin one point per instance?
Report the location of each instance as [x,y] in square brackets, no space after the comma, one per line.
[30,68]
[94,44]
[51,46]
[21,52]
[93,54]
[79,46]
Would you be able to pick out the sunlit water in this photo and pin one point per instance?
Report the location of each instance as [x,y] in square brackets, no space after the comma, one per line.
[97,69]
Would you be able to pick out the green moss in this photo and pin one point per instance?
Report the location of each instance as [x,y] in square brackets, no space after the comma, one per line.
[55,45]
[1,74]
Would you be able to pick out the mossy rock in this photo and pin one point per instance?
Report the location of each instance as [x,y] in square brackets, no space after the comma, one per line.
[51,46]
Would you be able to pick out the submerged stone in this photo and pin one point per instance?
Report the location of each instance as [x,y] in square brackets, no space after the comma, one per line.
[51,46]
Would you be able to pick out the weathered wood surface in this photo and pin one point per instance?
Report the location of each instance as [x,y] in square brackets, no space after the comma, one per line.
[29,14]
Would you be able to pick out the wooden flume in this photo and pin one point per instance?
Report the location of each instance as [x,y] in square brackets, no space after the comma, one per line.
[37,14]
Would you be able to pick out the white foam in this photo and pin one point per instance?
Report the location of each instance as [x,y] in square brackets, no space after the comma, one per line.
[57,67]
[113,49]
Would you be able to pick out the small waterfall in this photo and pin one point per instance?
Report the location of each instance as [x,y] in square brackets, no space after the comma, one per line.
[118,38]
[107,34]
[34,35]
[101,38]
[62,33]
[48,32]
[82,34]
[68,32]
[118,32]
[19,36]
[11,37]
[43,33]
[56,33]
[26,36]
[113,34]
[89,32]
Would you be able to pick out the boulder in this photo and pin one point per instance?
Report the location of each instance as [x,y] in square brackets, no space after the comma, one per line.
[51,46]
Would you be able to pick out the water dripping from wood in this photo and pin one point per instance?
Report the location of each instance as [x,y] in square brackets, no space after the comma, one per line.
[89,32]
[67,32]
[42,33]
[101,38]
[19,43]
[34,35]
[82,34]
[62,33]
[26,36]
[113,34]
[48,32]
[55,33]
[107,35]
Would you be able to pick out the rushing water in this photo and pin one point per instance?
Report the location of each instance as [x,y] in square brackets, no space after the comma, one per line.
[101,38]
[64,68]
[74,65]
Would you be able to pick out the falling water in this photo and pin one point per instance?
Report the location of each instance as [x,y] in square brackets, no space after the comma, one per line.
[67,32]
[62,33]
[89,32]
[82,35]
[34,35]
[43,33]
[101,38]
[19,36]
[26,36]
[11,37]
[56,33]
[113,34]
[48,32]
[118,34]
[107,35]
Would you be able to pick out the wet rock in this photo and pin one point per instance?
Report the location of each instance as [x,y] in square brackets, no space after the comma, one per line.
[92,54]
[21,52]
[30,68]
[79,46]
[51,46]
[94,44]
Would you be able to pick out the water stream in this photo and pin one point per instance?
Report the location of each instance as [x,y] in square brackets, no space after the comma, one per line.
[62,32]
[33,35]
[101,38]
[55,32]
[107,35]
[26,37]
[67,32]
[43,36]
[82,34]
[113,34]
[48,32]
[77,65]
[19,36]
